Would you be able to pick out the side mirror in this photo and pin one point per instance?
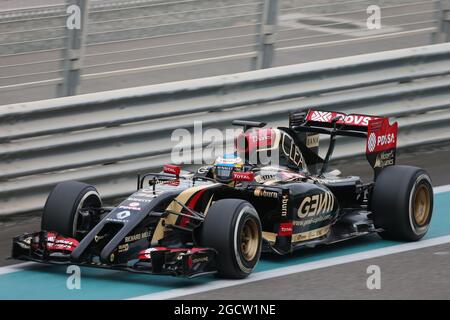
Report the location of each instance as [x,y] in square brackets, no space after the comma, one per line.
[172,169]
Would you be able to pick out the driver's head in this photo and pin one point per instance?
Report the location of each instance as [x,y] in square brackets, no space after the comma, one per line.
[225,166]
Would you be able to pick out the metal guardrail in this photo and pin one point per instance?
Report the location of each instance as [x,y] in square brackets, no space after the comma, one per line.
[106,138]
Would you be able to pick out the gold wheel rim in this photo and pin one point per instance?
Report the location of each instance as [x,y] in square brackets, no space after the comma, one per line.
[249,240]
[421,205]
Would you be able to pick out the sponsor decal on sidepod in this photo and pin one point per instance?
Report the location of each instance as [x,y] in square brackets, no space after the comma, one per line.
[316,204]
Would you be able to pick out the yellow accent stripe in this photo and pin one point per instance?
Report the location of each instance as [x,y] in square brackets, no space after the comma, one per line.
[269,236]
[183,197]
[208,205]
[316,233]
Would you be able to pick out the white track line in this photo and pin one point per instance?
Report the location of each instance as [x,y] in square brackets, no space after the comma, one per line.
[442,189]
[279,272]
[16,267]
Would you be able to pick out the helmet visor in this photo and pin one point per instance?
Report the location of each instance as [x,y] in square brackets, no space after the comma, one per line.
[223,173]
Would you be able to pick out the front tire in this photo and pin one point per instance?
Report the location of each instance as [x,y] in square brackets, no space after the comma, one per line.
[61,211]
[402,203]
[232,227]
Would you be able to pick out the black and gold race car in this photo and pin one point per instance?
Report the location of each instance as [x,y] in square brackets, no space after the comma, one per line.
[220,219]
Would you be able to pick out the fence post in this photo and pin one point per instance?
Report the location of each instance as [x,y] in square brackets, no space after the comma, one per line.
[446,20]
[436,35]
[269,23]
[442,34]
[74,48]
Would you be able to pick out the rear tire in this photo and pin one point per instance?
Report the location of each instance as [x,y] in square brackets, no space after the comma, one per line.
[61,209]
[232,227]
[402,203]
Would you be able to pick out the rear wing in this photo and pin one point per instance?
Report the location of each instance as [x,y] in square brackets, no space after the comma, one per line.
[381,137]
[345,123]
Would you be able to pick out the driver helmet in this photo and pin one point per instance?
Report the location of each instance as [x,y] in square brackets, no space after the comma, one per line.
[224,167]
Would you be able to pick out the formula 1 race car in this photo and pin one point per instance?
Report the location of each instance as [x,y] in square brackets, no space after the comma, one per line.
[220,218]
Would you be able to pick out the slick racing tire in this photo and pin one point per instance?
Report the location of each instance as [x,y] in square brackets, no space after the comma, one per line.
[61,211]
[232,227]
[402,203]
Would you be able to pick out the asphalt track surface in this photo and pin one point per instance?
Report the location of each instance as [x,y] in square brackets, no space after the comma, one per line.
[417,270]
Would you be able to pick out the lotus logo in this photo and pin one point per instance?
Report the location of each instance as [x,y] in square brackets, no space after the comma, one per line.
[123,214]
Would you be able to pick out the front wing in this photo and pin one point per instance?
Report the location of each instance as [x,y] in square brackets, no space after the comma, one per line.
[51,248]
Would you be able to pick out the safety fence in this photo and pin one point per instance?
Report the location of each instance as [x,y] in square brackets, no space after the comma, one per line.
[106,138]
[131,43]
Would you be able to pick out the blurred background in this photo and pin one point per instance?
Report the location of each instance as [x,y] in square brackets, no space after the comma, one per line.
[128,43]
